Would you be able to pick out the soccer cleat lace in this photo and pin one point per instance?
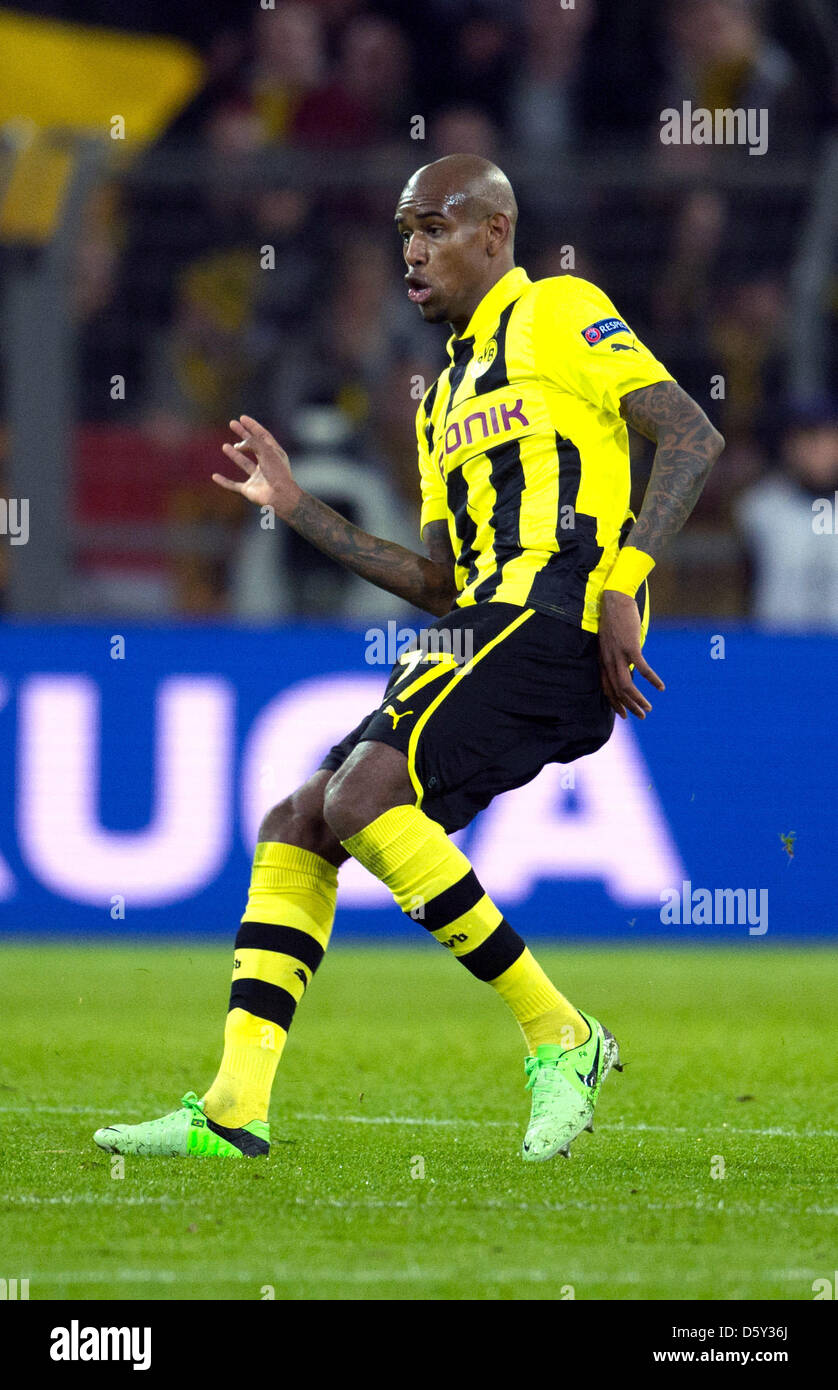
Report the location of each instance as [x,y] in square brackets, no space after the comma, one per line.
[565,1085]
[186,1133]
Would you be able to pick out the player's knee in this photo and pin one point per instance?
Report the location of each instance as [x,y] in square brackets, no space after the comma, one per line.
[298,820]
[336,805]
[348,805]
[279,821]
[367,785]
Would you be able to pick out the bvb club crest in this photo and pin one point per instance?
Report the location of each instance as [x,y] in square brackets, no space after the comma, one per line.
[486,358]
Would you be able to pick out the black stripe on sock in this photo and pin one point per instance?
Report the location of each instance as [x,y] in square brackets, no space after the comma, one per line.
[451,903]
[497,953]
[289,941]
[264,1000]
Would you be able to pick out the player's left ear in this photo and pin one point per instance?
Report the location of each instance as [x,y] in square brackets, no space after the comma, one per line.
[498,230]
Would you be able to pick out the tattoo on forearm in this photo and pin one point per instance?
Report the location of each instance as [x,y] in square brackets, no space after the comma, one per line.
[402,572]
[687,447]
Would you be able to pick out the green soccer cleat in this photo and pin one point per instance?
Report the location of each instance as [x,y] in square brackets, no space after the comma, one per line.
[186,1133]
[565,1085]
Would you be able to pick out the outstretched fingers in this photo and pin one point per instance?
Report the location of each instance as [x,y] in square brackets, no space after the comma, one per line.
[611,695]
[619,687]
[646,671]
[252,427]
[234,452]
[230,483]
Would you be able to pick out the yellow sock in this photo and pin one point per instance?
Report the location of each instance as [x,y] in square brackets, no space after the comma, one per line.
[434,883]
[544,1015]
[281,941]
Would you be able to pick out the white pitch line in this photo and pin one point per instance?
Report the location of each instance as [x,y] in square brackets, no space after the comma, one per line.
[326,1119]
[360,1276]
[96,1199]
[589,1205]
[771,1133]
[317,1117]
[401,1120]
[65,1109]
[580,1280]
[85,1198]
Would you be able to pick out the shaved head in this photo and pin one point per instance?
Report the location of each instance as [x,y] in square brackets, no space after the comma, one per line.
[466,182]
[456,218]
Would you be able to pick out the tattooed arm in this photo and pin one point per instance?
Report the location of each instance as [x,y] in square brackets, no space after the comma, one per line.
[427,583]
[687,447]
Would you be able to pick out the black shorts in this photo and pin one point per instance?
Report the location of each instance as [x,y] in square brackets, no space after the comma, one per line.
[489,696]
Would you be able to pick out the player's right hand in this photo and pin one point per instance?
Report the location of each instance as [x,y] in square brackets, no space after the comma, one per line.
[620,651]
[269,481]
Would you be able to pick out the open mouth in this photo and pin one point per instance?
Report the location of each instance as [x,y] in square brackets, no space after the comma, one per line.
[417,294]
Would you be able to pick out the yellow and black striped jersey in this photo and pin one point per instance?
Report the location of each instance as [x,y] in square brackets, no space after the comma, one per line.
[522,449]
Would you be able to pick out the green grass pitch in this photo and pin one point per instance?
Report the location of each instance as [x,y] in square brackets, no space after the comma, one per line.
[400,1064]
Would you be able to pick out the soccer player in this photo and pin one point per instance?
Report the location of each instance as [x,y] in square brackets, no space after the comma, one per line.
[533,556]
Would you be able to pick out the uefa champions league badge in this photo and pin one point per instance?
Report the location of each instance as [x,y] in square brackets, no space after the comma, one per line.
[595,332]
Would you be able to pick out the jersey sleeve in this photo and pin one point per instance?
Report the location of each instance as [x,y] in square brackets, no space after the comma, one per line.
[585,347]
[434,496]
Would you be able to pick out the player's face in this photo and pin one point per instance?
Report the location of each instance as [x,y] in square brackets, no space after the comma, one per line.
[445,255]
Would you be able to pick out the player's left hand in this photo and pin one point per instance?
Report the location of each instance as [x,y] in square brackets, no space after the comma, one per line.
[619,649]
[269,481]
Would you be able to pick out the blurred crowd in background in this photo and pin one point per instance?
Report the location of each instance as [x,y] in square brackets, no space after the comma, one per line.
[695,245]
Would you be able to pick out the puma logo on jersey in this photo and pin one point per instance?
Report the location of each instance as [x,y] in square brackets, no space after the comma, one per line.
[388,709]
